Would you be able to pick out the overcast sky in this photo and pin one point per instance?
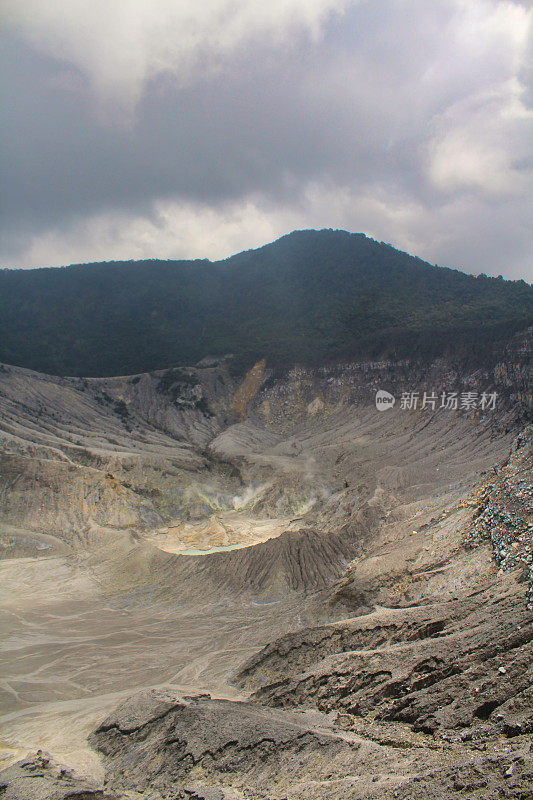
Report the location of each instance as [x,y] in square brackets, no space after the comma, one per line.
[199,128]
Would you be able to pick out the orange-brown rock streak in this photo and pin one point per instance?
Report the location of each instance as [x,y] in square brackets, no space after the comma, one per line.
[249,388]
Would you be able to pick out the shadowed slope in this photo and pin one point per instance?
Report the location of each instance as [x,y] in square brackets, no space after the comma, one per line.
[310,296]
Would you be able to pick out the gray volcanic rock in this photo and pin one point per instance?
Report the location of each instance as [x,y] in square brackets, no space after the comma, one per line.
[296,652]
[38,777]
[167,746]
[503,512]
[506,774]
[304,561]
[162,746]
[440,674]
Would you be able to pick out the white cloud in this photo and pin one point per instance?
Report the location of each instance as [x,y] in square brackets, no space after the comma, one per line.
[406,120]
[483,142]
[122,43]
[174,229]
[483,24]
[187,230]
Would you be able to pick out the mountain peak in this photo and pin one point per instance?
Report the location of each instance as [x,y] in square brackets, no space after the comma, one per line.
[308,296]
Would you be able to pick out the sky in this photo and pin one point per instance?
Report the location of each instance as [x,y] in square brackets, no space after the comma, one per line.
[183,129]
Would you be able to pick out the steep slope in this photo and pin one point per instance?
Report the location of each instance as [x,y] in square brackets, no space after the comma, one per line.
[310,296]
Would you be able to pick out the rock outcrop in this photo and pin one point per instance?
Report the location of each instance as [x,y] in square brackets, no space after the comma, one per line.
[39,777]
[166,746]
[453,667]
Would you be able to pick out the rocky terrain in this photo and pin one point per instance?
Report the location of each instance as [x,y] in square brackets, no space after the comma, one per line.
[238,587]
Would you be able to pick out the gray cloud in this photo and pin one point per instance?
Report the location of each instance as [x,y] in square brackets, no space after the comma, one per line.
[407,120]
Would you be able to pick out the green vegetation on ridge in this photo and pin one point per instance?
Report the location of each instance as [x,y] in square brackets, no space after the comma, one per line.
[310,296]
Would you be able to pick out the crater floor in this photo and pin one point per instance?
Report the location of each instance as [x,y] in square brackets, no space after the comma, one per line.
[354,583]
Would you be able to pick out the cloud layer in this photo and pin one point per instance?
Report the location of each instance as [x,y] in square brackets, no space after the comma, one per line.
[123,43]
[161,129]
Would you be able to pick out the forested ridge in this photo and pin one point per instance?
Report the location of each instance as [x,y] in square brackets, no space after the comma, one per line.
[310,296]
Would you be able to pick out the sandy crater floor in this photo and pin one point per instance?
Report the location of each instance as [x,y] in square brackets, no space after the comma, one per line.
[70,653]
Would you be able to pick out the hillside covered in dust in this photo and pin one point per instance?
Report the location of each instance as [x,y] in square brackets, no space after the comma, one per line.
[231,586]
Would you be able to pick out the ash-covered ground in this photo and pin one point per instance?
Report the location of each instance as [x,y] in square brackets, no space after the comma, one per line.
[234,588]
